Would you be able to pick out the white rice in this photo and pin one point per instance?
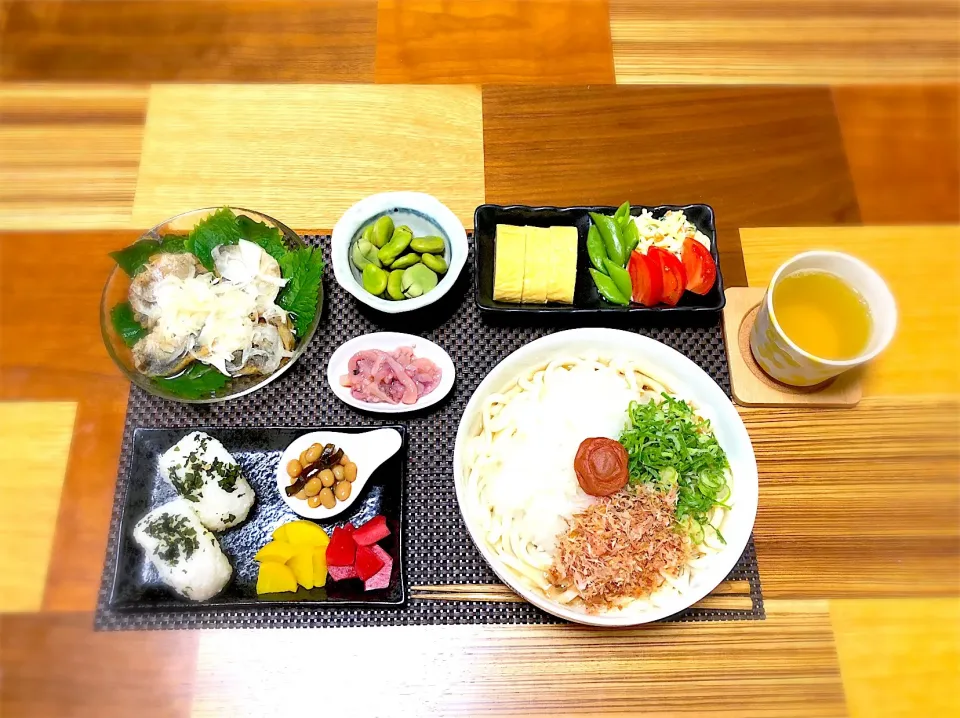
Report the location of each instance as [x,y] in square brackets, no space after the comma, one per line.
[205,474]
[187,556]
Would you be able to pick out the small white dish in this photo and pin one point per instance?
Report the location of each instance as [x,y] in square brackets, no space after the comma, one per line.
[367,450]
[388,341]
[425,215]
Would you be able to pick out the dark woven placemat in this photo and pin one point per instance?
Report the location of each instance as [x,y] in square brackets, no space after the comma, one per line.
[438,550]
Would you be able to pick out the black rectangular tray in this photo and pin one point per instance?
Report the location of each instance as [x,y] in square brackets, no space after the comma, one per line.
[586,298]
[136,584]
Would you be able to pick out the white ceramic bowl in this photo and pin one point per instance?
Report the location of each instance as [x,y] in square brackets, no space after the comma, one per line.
[388,341]
[367,450]
[425,215]
[684,378]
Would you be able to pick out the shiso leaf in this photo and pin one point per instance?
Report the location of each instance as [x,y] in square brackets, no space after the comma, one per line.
[269,238]
[217,229]
[304,270]
[126,325]
[199,381]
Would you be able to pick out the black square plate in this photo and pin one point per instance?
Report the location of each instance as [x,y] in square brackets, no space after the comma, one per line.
[586,299]
[136,583]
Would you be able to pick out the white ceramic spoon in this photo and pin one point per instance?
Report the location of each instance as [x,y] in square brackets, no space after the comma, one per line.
[389,341]
[367,450]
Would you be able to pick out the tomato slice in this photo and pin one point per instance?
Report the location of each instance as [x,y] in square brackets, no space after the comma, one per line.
[646,279]
[671,271]
[699,265]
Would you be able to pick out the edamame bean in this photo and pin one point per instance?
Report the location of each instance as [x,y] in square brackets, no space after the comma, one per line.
[382,231]
[407,260]
[431,245]
[402,236]
[374,279]
[395,284]
[437,264]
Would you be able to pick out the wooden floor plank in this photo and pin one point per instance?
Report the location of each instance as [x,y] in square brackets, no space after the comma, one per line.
[495,41]
[56,666]
[186,41]
[304,154]
[757,155]
[899,657]
[859,502]
[785,42]
[903,146]
[784,666]
[922,357]
[69,155]
[34,443]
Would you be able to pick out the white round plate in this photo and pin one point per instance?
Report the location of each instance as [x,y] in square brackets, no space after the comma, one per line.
[388,341]
[367,450]
[685,379]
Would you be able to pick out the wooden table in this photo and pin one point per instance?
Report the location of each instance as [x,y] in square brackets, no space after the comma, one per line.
[803,123]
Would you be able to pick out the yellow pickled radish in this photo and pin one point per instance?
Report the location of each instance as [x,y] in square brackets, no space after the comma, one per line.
[275,551]
[319,567]
[306,533]
[280,533]
[275,578]
[301,563]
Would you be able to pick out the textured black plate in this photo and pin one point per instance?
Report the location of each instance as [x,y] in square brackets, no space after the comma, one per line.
[586,299]
[136,583]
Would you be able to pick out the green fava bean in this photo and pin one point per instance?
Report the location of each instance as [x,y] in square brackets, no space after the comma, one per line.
[407,260]
[395,284]
[382,231]
[429,245]
[437,264]
[620,277]
[402,236]
[364,253]
[417,281]
[595,249]
[374,279]
[368,233]
[608,288]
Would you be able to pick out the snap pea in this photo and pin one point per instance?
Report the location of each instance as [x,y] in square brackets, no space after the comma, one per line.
[364,253]
[631,235]
[397,245]
[612,238]
[432,261]
[374,279]
[607,288]
[395,284]
[623,211]
[620,277]
[382,231]
[431,245]
[407,260]
[595,248]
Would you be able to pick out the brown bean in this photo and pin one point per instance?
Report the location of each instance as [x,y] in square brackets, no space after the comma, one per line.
[338,472]
[350,472]
[342,490]
[303,459]
[327,498]
[294,468]
[301,495]
[344,460]
[293,480]
[313,453]
[313,487]
[313,501]
[326,478]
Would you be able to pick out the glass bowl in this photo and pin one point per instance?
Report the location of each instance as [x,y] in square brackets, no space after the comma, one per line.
[117,288]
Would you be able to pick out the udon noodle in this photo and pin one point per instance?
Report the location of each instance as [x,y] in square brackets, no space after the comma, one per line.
[519,474]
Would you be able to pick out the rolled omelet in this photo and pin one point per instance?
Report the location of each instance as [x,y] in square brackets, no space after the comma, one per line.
[536,266]
[509,257]
[563,264]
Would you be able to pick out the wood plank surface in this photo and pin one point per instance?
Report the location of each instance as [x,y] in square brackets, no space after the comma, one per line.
[858,502]
[495,41]
[187,41]
[784,666]
[788,41]
[34,442]
[68,155]
[903,147]
[922,359]
[55,666]
[305,154]
[757,155]
[918,641]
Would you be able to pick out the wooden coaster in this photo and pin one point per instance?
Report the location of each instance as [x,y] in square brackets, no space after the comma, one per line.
[751,385]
